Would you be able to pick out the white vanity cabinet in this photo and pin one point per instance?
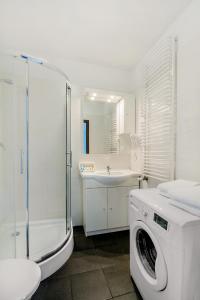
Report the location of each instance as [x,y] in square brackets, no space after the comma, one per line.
[118,206]
[96,209]
[105,208]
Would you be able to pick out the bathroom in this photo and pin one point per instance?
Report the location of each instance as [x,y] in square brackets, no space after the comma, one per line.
[99,110]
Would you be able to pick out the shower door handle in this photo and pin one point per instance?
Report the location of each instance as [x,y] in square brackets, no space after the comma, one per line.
[69,159]
[21,162]
[2,146]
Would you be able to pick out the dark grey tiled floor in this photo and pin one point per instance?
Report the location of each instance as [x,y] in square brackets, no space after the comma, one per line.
[97,270]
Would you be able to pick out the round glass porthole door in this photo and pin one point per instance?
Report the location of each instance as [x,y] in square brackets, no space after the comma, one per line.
[149,257]
[147,252]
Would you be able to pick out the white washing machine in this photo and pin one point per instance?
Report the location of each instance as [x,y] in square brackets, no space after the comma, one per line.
[164,248]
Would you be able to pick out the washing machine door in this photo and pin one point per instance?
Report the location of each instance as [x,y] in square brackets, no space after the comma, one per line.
[149,257]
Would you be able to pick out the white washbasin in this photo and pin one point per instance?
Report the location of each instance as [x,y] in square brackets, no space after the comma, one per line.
[111,173]
[110,178]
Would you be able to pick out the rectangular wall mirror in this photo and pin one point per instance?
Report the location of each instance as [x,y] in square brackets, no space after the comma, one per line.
[105,117]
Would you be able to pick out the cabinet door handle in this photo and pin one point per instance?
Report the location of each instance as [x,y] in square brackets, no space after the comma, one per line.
[110,208]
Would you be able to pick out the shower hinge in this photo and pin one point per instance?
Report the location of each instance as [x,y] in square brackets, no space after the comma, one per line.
[36,60]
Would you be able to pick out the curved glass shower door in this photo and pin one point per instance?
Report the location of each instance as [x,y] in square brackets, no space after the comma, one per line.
[13,160]
[35,158]
[49,136]
[7,212]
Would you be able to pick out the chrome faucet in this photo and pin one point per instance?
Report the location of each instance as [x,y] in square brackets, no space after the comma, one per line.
[108,169]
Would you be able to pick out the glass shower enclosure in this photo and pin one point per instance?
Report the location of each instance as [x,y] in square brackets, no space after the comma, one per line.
[35,158]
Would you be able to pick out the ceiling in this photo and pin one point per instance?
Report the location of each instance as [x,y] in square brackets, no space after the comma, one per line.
[114,33]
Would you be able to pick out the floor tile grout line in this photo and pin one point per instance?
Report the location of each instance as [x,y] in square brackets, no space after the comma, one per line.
[128,293]
[85,272]
[71,289]
[107,283]
[104,278]
[70,275]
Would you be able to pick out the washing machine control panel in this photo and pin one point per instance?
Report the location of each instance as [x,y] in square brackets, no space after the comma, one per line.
[160,221]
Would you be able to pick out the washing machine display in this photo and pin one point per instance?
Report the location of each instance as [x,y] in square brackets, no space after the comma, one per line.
[160,221]
[146,251]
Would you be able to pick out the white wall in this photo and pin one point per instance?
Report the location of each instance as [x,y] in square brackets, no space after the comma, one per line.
[187,30]
[95,76]
[47,155]
[115,161]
